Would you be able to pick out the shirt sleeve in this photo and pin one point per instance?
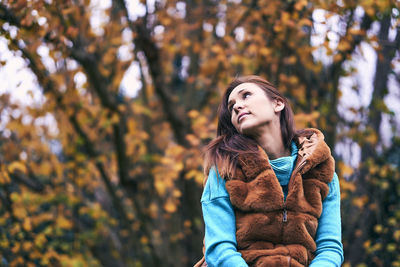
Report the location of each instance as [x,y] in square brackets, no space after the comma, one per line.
[220,225]
[329,251]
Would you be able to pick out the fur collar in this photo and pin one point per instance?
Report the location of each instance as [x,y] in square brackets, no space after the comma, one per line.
[312,150]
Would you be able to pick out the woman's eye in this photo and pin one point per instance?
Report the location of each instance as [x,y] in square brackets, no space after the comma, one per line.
[245,95]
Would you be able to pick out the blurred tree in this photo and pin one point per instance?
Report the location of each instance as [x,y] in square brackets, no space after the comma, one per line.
[118,182]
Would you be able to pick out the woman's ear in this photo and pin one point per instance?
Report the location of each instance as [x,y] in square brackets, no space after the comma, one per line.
[279,105]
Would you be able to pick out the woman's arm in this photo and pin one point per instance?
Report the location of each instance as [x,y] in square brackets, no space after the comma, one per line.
[329,233]
[220,224]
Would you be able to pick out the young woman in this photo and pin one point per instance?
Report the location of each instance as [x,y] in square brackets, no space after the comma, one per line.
[272,197]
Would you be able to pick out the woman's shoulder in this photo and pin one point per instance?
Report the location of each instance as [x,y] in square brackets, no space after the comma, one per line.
[214,186]
[334,187]
[308,131]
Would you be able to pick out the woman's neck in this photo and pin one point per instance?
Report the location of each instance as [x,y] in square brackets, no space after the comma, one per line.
[271,141]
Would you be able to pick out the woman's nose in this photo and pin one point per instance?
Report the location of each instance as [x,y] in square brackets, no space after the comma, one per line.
[238,106]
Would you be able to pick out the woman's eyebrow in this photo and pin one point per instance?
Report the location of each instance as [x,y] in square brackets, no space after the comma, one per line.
[230,101]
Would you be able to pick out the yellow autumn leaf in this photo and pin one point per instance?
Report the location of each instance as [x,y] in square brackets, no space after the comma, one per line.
[396,235]
[367,244]
[345,185]
[354,31]
[175,150]
[27,225]
[383,172]
[15,249]
[4,178]
[190,174]
[199,177]
[360,201]
[63,223]
[170,206]
[235,59]
[391,247]
[305,22]
[144,240]
[153,210]
[278,28]
[285,16]
[178,166]
[216,49]
[45,168]
[108,57]
[370,11]
[35,254]
[20,211]
[345,169]
[17,165]
[186,43]
[105,71]
[49,255]
[337,57]
[378,228]
[300,4]
[27,246]
[114,118]
[371,138]
[193,114]
[344,45]
[4,243]
[177,193]
[385,185]
[96,212]
[40,240]
[160,187]
[303,119]
[192,139]
[265,51]
[117,40]
[187,223]
[293,79]
[16,228]
[3,220]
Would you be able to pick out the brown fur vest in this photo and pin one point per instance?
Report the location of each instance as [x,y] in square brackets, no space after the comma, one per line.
[269,230]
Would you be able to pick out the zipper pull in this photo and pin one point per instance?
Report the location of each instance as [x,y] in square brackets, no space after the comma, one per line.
[284,215]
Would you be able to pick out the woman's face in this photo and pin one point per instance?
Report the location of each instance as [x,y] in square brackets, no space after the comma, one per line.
[251,109]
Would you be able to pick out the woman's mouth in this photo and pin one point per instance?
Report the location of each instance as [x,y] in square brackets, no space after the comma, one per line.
[241,116]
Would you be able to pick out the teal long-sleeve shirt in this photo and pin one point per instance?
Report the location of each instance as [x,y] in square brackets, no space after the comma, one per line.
[220,222]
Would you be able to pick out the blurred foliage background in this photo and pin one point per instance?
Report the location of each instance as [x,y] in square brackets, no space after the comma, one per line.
[115,179]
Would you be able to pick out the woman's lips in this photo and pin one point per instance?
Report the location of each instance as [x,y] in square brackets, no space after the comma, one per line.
[242,116]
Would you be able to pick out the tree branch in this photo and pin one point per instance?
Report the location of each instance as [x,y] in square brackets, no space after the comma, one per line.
[48,84]
[144,42]
[33,184]
[368,150]
[89,62]
[334,74]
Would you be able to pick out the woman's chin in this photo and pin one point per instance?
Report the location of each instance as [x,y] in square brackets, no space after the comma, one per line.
[248,131]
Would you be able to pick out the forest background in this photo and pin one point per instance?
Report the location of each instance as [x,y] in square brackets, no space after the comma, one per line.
[101,160]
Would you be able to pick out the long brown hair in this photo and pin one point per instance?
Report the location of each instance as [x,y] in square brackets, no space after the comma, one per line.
[223,151]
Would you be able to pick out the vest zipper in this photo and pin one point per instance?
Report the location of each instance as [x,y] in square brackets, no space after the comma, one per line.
[284,214]
[297,169]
